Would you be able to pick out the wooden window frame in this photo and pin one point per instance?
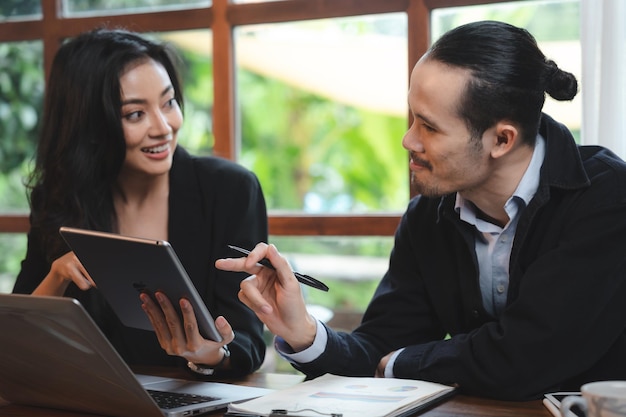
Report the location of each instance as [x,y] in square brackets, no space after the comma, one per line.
[222,17]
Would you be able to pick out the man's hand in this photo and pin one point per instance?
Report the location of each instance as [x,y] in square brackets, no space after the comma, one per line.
[274,295]
[380,369]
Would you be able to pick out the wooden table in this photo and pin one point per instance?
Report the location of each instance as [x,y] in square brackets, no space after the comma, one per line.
[458,405]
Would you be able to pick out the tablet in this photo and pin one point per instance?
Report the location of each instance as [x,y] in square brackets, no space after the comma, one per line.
[123,267]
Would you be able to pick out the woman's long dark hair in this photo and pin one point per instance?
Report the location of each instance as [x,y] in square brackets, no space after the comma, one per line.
[81,147]
[510,75]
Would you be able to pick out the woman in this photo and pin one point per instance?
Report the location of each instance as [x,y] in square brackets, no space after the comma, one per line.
[108,160]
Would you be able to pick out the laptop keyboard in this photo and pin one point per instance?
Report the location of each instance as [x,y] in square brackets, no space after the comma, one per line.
[167,400]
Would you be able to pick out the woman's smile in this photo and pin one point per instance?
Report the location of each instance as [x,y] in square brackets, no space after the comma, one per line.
[158,151]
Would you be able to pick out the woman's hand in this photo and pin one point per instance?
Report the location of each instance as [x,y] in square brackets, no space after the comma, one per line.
[64,270]
[274,295]
[183,338]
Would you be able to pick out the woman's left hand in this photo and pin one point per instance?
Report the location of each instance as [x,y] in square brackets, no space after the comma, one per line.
[184,339]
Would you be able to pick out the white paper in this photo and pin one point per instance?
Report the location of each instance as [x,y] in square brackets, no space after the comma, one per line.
[350,396]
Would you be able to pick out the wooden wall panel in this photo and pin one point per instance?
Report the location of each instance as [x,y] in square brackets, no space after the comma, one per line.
[280,224]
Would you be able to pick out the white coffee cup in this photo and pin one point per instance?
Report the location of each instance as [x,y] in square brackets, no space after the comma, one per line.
[599,399]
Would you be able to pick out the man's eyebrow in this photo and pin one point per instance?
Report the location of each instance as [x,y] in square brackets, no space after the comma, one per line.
[426,119]
[143,101]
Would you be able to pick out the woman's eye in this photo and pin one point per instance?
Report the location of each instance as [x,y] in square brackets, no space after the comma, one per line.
[136,115]
[171,102]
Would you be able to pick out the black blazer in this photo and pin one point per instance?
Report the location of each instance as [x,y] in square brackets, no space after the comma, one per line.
[565,319]
[213,202]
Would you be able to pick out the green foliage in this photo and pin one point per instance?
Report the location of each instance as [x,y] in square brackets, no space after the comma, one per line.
[13,8]
[344,295]
[12,190]
[21,96]
[375,246]
[347,294]
[13,247]
[314,154]
[197,75]
[309,153]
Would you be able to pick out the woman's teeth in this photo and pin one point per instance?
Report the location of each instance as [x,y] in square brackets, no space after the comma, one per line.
[157,149]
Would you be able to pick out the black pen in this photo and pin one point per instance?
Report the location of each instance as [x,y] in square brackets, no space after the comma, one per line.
[305,279]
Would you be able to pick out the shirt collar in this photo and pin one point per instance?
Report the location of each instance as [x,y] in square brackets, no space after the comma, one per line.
[524,192]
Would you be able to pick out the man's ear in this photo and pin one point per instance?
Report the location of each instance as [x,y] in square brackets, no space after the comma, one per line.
[506,136]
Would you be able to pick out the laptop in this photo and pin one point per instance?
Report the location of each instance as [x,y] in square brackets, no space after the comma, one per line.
[54,355]
[124,266]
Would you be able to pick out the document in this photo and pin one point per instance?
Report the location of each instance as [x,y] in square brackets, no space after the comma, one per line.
[339,396]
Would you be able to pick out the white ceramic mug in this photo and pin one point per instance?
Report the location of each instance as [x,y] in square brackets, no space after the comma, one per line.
[599,399]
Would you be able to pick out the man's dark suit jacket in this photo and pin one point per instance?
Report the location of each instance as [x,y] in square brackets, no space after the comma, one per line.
[565,319]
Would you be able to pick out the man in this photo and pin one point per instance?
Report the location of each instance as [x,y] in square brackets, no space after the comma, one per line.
[508,273]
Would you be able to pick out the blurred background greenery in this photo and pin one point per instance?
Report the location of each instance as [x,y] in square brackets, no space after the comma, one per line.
[313,149]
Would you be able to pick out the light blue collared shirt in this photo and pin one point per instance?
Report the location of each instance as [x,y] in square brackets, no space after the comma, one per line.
[493,243]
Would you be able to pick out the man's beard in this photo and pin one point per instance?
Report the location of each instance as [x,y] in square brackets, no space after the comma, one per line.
[433,189]
[420,188]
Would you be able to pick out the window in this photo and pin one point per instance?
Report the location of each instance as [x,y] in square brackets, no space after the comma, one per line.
[555,26]
[21,95]
[323,110]
[259,90]
[197,75]
[20,10]
[73,8]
